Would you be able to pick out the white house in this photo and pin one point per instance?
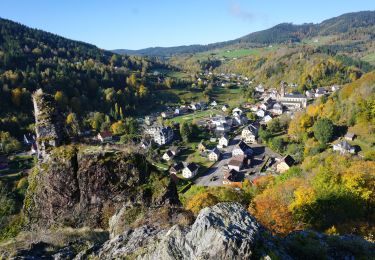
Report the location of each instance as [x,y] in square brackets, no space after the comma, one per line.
[344,147]
[223,141]
[267,118]
[236,163]
[213,103]
[260,113]
[190,170]
[277,109]
[168,155]
[309,94]
[225,107]
[320,92]
[249,134]
[237,112]
[214,155]
[242,149]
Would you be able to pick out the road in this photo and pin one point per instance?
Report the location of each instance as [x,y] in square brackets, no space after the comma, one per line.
[214,175]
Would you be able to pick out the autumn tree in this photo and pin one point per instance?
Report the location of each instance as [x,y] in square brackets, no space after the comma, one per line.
[200,201]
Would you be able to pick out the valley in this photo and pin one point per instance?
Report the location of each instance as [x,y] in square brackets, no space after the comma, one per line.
[262,147]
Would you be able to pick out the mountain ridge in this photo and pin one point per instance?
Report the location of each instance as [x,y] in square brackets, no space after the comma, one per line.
[280,33]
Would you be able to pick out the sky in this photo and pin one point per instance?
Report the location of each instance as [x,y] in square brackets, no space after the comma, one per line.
[137,24]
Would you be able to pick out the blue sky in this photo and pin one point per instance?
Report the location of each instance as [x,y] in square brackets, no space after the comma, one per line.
[135,24]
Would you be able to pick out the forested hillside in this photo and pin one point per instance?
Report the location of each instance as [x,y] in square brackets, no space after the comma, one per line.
[345,24]
[82,77]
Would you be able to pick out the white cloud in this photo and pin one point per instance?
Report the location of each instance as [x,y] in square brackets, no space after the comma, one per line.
[236,10]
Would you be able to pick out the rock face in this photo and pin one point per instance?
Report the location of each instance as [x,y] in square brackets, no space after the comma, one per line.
[224,231]
[49,128]
[85,186]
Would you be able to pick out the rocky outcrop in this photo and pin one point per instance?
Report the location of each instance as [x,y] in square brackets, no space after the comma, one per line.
[85,186]
[224,231]
[49,123]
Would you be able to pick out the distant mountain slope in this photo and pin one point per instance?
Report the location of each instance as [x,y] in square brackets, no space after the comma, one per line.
[281,33]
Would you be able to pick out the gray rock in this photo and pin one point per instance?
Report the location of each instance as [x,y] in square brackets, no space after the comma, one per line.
[224,231]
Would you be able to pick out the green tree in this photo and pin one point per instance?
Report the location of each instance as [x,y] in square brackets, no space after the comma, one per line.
[323,130]
[185,131]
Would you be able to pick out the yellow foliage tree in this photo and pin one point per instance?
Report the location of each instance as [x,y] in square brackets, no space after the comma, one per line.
[200,201]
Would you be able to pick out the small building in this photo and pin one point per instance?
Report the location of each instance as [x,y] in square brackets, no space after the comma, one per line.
[285,164]
[260,113]
[242,149]
[105,136]
[145,144]
[176,168]
[259,88]
[213,103]
[237,112]
[309,94]
[350,136]
[33,149]
[167,114]
[190,170]
[223,141]
[214,155]
[277,108]
[240,120]
[224,127]
[168,155]
[344,147]
[250,133]
[225,107]
[320,92]
[233,178]
[267,118]
[236,163]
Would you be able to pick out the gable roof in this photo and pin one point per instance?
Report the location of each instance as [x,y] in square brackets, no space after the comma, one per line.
[177,166]
[192,167]
[105,134]
[216,151]
[288,160]
[241,145]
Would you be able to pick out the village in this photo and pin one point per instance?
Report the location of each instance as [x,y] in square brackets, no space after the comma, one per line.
[227,149]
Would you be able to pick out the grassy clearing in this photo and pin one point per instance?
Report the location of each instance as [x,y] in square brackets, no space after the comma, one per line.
[370,58]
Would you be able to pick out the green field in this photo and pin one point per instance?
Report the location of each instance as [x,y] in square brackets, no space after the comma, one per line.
[370,58]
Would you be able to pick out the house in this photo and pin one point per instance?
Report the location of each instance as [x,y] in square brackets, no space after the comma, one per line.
[213,103]
[277,108]
[237,112]
[149,120]
[259,88]
[344,147]
[266,104]
[33,149]
[309,94]
[335,88]
[240,120]
[223,141]
[350,136]
[254,108]
[249,134]
[285,164]
[167,114]
[242,149]
[195,106]
[145,144]
[190,170]
[176,168]
[3,162]
[168,155]
[163,136]
[320,92]
[260,113]
[223,128]
[202,147]
[104,136]
[233,178]
[225,107]
[236,163]
[267,118]
[214,155]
